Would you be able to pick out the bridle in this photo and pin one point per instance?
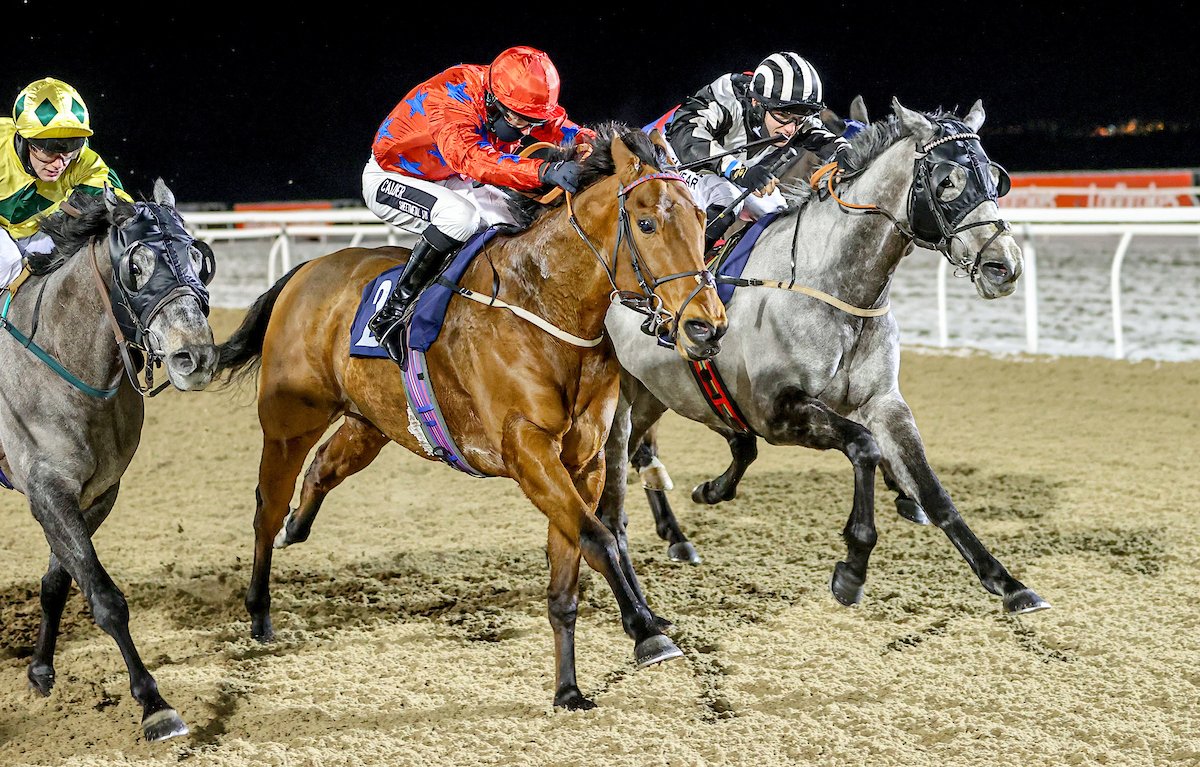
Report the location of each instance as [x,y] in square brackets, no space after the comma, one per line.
[933,223]
[131,309]
[647,302]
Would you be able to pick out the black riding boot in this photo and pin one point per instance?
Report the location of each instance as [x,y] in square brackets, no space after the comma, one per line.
[716,227]
[426,260]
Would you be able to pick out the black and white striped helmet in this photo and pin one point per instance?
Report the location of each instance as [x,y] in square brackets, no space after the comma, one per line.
[785,80]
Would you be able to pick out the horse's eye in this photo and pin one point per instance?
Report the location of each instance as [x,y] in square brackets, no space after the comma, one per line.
[647,225]
[134,269]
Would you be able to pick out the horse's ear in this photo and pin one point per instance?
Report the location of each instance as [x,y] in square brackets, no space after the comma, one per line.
[628,166]
[118,212]
[974,118]
[162,194]
[664,150]
[913,123]
[833,121]
[858,110]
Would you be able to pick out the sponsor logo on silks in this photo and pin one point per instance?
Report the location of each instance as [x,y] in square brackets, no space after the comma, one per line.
[416,105]
[396,195]
[458,92]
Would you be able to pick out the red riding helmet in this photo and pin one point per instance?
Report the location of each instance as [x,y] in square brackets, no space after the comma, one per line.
[525,80]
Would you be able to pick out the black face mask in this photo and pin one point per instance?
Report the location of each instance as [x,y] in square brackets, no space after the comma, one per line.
[503,129]
[161,230]
[932,218]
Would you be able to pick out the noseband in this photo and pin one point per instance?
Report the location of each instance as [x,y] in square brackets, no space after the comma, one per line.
[647,302]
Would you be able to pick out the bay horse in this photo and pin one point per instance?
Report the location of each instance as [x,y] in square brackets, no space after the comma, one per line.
[71,406]
[812,372]
[518,402]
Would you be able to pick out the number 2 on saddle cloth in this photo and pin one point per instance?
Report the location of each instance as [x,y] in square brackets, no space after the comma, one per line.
[424,326]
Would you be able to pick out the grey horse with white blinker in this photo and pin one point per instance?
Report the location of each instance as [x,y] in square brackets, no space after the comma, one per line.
[123,292]
[821,370]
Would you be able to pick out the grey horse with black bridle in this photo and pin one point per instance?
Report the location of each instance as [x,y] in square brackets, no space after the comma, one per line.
[122,294]
[821,369]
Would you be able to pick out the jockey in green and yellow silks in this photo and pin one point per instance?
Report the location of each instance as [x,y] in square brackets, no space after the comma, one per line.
[44,161]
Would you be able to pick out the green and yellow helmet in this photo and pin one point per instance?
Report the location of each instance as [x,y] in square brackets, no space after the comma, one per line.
[49,108]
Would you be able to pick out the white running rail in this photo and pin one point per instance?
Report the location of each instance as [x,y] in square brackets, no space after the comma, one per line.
[1124,223]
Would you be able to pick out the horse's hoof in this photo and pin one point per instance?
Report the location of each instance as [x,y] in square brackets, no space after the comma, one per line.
[847,587]
[41,678]
[912,511]
[572,700]
[261,629]
[684,551]
[655,477]
[704,493]
[655,649]
[162,725]
[1024,601]
[281,539]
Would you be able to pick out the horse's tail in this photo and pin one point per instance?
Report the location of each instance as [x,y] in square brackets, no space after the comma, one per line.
[240,356]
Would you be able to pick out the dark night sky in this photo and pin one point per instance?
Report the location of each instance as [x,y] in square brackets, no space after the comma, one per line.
[283,105]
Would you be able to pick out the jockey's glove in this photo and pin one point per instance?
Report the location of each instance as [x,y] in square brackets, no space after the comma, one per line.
[845,167]
[753,177]
[563,173]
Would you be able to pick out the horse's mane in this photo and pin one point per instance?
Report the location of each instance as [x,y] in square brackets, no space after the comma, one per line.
[69,234]
[865,147]
[599,165]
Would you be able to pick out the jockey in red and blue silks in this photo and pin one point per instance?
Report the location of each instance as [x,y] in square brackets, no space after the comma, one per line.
[459,127]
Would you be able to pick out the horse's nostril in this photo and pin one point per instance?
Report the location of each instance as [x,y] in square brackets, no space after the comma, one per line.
[183,361]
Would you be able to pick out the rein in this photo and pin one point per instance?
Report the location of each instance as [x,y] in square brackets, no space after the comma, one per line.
[648,301]
[42,354]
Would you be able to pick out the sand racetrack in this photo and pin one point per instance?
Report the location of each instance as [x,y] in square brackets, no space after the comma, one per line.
[412,625]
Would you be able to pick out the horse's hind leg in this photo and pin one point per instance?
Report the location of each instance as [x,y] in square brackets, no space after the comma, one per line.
[806,421]
[56,585]
[351,449]
[282,459]
[54,500]
[904,453]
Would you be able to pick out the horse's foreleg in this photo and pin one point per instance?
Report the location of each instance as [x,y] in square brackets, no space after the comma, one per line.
[531,457]
[806,421]
[562,600]
[905,506]
[644,418]
[281,462]
[54,501]
[904,455]
[351,449]
[56,585]
[743,448]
